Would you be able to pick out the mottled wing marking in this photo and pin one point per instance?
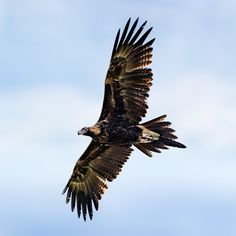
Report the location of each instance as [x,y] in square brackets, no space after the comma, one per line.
[128,79]
[88,182]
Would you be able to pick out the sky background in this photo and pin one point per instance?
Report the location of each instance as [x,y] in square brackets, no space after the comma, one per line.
[53,59]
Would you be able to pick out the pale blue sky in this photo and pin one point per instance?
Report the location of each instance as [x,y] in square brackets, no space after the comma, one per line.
[53,59]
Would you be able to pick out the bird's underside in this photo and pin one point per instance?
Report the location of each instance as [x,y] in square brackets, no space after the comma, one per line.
[127,84]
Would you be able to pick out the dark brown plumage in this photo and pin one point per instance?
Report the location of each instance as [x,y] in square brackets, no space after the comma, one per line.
[127,83]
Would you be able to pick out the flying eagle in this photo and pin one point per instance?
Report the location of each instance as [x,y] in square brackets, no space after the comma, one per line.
[127,84]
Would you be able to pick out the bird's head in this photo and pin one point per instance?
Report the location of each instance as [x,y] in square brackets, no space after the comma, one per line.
[84,131]
[90,131]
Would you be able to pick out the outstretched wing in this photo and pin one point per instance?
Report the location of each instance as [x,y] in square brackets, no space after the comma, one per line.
[128,79]
[97,165]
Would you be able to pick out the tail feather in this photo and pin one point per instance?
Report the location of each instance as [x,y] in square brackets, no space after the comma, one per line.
[165,133]
[142,148]
[172,143]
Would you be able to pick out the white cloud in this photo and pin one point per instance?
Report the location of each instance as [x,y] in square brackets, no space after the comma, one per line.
[32,115]
[203,107]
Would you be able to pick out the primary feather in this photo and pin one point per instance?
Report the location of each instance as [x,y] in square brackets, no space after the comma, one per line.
[128,79]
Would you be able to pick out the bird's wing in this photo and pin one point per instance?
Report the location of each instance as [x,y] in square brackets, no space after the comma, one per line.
[128,79]
[97,165]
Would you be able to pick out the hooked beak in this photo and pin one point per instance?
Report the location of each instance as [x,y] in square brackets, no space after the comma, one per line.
[83,131]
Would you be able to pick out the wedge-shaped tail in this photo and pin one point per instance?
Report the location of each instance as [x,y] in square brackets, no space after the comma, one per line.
[157,135]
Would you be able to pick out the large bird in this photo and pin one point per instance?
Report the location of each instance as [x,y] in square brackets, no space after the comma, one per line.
[127,83]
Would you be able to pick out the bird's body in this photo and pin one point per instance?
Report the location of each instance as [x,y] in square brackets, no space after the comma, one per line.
[118,128]
[114,132]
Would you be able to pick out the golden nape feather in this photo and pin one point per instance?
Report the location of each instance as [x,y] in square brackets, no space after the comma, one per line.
[127,84]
